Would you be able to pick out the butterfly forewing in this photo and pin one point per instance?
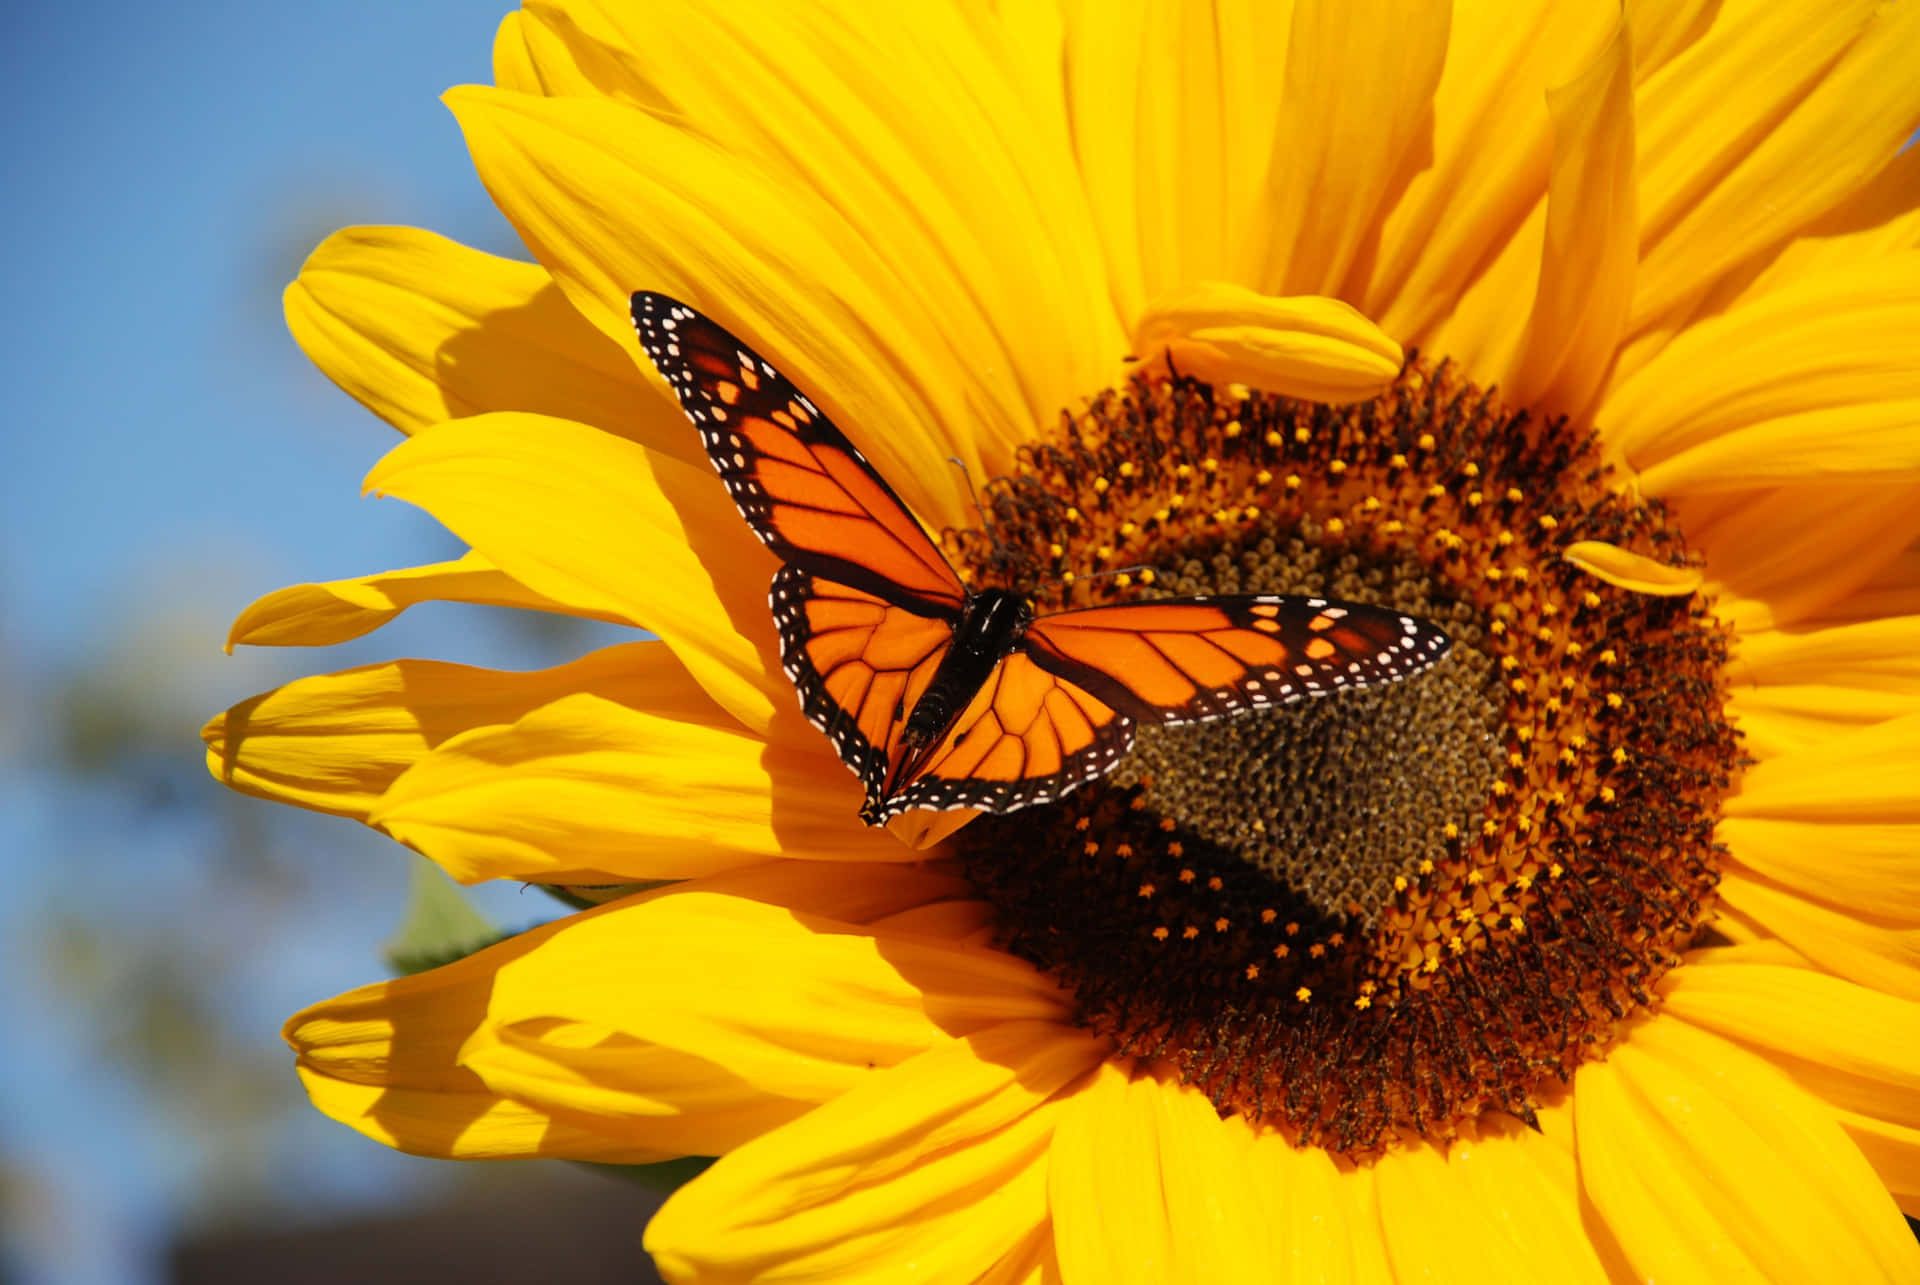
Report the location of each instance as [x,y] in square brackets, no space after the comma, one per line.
[800,484]
[1187,660]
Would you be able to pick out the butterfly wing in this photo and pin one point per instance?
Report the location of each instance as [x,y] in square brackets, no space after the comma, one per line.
[1027,737]
[1188,660]
[859,662]
[800,484]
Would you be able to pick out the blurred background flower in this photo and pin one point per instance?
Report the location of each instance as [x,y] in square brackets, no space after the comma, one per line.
[169,456]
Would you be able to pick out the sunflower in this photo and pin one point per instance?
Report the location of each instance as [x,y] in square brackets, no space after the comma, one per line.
[1586,334]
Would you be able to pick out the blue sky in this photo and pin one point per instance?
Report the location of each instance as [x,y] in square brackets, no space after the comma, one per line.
[168,457]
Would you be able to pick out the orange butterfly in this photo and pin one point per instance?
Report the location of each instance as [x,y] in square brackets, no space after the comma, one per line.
[937,696]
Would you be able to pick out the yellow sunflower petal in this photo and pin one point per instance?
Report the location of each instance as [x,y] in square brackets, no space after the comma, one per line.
[1791,718]
[1305,1214]
[1356,122]
[1103,1182]
[1031,1262]
[1870,775]
[1214,1211]
[684,1020]
[1631,571]
[1880,218]
[799,97]
[1795,552]
[1882,655]
[1592,238]
[1894,1152]
[1709,1164]
[1173,110]
[1827,357]
[1826,89]
[1863,867]
[1879,952]
[1853,1047]
[336,742]
[529,58]
[1313,348]
[1497,1208]
[422,329]
[458,1119]
[588,518]
[1489,172]
[934,1168]
[613,201]
[584,783]
[320,615]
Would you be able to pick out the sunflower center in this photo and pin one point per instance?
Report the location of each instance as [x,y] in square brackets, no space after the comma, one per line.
[1384,911]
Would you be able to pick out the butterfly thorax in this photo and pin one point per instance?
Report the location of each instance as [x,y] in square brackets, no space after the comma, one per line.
[991,625]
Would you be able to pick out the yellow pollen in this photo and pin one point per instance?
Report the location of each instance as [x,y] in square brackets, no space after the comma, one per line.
[1317,950]
[1073,514]
[1083,823]
[1609,657]
[1146,575]
[1233,428]
[1619,755]
[1124,850]
[1176,849]
[1101,484]
[1215,883]
[1393,526]
[1336,467]
[1424,441]
[1590,600]
[1293,929]
[1128,528]
[1092,849]
[1302,436]
[1147,890]
[1126,468]
[1183,471]
[1187,876]
[1253,972]
[1548,522]
[1400,883]
[1268,915]
[1160,934]
[1292,482]
[1397,461]
[1516,923]
[1615,700]
[1606,794]
[1190,932]
[1055,550]
[1067,577]
[1363,1001]
[1274,438]
[1262,478]
[1282,951]
[1470,470]
[1475,877]
[1335,526]
[1304,994]
[1220,925]
[1514,495]
[1555,870]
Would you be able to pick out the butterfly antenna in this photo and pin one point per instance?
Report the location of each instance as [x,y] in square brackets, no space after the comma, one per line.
[986,523]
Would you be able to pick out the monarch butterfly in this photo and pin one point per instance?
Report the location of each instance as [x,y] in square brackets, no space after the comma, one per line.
[938,696]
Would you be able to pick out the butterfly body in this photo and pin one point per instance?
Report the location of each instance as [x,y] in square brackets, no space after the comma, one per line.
[938,696]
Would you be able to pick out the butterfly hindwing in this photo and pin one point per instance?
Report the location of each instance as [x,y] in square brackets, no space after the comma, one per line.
[859,663]
[1185,660]
[805,490]
[1027,737]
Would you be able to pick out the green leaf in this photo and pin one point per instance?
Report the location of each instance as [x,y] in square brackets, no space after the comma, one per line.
[667,1175]
[440,926]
